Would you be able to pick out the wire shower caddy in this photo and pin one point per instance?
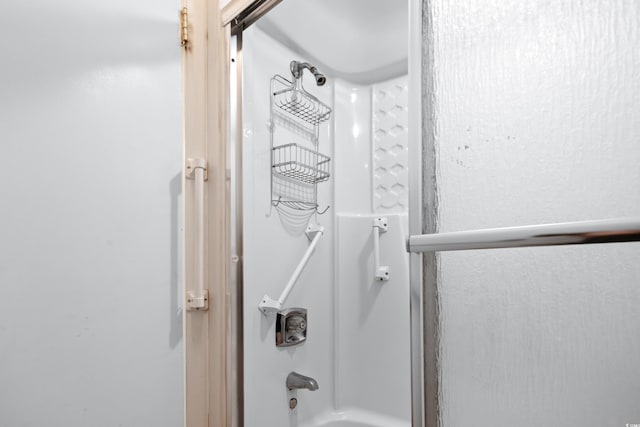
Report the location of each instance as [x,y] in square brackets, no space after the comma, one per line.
[297,167]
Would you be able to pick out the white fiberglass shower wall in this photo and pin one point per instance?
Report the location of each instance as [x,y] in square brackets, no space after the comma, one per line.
[358,328]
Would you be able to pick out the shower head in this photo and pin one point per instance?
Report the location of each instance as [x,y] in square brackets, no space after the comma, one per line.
[320,78]
[297,67]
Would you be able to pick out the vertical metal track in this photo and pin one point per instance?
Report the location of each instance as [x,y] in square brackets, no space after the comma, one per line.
[429,209]
[235,160]
[417,212]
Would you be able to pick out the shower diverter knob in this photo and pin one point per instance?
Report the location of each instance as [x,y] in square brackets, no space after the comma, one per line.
[291,327]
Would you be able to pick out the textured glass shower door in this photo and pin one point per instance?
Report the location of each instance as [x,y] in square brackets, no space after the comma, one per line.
[531,117]
[511,323]
[540,336]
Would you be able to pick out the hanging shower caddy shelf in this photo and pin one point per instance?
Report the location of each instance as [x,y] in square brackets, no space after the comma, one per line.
[300,163]
[296,167]
[300,104]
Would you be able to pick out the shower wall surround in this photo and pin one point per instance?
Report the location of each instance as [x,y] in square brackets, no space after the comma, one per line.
[357,347]
[390,146]
[537,120]
[90,214]
[272,250]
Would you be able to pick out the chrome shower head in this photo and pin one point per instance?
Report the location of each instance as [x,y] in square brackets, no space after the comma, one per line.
[320,78]
[297,67]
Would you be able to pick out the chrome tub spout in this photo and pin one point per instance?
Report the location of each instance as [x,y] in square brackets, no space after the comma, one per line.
[295,380]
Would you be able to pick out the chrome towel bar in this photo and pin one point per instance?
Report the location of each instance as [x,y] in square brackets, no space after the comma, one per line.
[567,233]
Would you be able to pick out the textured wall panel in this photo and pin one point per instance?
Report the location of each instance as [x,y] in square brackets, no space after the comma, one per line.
[390,138]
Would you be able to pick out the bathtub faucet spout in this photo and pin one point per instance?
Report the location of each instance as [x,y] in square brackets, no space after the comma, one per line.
[295,380]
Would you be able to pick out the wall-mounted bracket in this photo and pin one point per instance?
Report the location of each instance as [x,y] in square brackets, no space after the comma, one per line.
[381,272]
[312,231]
[381,223]
[269,305]
[198,300]
[194,164]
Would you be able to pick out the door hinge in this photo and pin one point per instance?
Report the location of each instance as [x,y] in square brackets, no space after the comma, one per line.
[184,27]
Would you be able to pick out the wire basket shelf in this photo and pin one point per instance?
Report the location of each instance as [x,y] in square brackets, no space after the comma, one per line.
[299,163]
[295,169]
[302,105]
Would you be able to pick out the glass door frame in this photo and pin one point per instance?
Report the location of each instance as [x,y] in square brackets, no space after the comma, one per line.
[238,15]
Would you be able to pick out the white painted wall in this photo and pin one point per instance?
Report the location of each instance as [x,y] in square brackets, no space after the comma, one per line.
[537,119]
[90,149]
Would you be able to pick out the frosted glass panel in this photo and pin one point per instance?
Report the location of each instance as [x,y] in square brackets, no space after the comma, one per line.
[541,336]
[534,117]
[536,110]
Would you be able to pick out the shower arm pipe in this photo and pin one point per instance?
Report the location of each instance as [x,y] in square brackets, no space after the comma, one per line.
[268,304]
[380,272]
[297,67]
[197,297]
[568,233]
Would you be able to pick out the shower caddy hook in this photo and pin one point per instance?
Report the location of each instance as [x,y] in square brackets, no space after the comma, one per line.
[301,168]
